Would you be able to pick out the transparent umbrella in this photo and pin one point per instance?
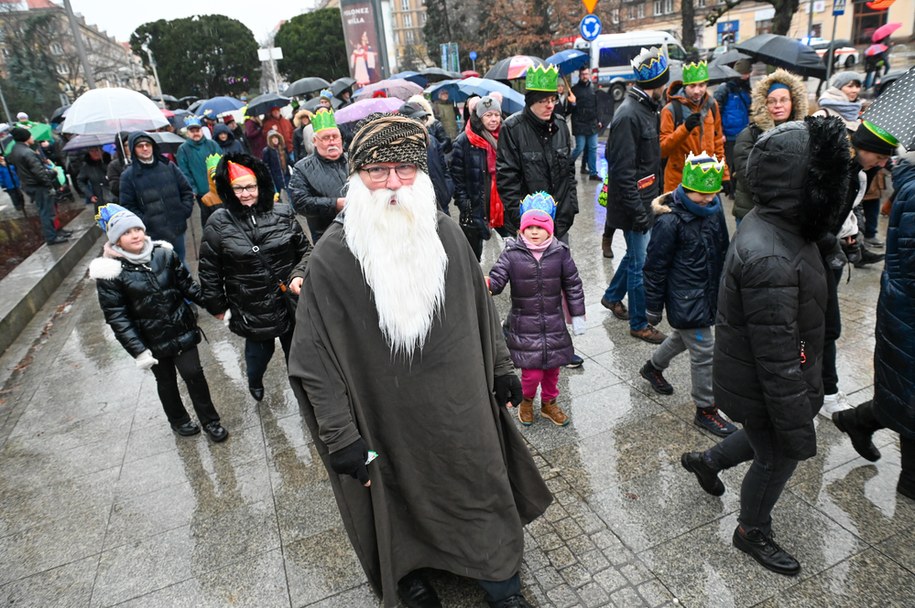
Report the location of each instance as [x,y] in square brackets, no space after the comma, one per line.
[109,110]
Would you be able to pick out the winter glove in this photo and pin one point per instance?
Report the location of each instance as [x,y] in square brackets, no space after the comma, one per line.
[642,223]
[653,317]
[145,360]
[351,461]
[578,325]
[466,219]
[508,388]
[692,121]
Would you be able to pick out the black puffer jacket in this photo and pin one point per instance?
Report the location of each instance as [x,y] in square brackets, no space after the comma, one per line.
[584,112]
[472,181]
[772,300]
[234,277]
[633,155]
[145,303]
[157,192]
[33,173]
[534,155]
[684,261]
[315,186]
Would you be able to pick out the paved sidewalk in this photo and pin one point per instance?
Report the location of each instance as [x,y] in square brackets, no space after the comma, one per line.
[102,505]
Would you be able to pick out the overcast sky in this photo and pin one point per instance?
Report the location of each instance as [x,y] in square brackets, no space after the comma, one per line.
[121,19]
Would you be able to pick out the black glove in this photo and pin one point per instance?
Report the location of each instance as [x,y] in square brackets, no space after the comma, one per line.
[641,223]
[466,218]
[654,318]
[351,461]
[508,388]
[692,121]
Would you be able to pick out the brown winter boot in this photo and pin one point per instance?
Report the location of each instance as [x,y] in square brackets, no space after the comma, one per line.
[606,245]
[553,413]
[526,411]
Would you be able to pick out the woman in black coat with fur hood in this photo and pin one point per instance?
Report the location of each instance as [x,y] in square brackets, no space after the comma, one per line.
[250,247]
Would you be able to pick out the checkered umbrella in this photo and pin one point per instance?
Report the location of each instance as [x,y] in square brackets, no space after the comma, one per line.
[894,110]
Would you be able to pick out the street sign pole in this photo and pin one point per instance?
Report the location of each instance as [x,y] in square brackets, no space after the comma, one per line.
[838,8]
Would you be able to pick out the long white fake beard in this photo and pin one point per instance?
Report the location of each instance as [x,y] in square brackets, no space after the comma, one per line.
[402,257]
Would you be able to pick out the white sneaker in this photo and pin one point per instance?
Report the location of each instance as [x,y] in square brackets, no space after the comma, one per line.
[834,403]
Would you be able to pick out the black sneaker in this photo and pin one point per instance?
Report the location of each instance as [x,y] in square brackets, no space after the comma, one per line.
[576,362]
[215,431]
[709,419]
[706,475]
[766,551]
[656,379]
[186,429]
[868,257]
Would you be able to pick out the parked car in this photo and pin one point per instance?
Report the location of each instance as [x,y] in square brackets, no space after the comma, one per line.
[846,56]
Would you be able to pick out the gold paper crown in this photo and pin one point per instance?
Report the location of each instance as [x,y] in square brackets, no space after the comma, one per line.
[323,119]
[703,173]
[542,78]
[694,73]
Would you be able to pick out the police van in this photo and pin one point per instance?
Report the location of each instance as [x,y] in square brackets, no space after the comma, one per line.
[611,54]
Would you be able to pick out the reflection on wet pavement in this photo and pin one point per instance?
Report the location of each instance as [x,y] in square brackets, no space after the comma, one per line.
[102,505]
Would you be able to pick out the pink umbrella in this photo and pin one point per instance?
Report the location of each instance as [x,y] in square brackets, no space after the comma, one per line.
[167,113]
[392,87]
[884,31]
[875,49]
[362,108]
[469,73]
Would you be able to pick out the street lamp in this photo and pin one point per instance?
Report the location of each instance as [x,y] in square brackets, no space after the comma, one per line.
[152,63]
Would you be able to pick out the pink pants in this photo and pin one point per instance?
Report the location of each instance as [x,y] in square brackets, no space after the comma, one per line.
[546,379]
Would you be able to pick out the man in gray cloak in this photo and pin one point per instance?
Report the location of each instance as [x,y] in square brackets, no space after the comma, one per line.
[398,351]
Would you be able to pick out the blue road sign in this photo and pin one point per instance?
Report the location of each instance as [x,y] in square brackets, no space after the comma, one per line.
[838,8]
[473,55]
[590,27]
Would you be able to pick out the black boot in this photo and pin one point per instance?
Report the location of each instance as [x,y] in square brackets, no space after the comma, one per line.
[766,551]
[906,485]
[707,476]
[416,592]
[868,257]
[859,424]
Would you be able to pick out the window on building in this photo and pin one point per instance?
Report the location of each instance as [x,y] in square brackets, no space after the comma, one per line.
[658,7]
[668,6]
[408,20]
[410,37]
[615,16]
[56,49]
[62,69]
[764,27]
[640,14]
[701,4]
[404,5]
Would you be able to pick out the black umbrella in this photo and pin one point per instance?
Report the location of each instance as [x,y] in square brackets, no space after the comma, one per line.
[168,142]
[304,86]
[716,73]
[728,57]
[894,110]
[784,52]
[341,84]
[58,115]
[313,104]
[166,98]
[266,102]
[187,100]
[438,74]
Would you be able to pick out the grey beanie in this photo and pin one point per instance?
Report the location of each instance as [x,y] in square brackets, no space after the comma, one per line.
[121,222]
[843,78]
[487,104]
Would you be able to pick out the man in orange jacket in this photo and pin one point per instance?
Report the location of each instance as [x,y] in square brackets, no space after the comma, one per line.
[691,120]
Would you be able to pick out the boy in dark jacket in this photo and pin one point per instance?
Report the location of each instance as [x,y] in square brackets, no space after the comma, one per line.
[143,290]
[681,273]
[541,270]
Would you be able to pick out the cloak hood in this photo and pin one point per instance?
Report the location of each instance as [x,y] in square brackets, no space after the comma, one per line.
[222,128]
[300,116]
[759,115]
[798,173]
[132,144]
[677,92]
[265,188]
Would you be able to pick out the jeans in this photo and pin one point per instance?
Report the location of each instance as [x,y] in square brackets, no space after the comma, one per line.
[590,142]
[187,364]
[765,479]
[546,379]
[180,248]
[701,345]
[871,210]
[42,199]
[496,591]
[258,354]
[628,278]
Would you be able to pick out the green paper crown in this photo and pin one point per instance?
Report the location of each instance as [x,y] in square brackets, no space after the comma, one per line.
[542,78]
[703,173]
[881,133]
[212,160]
[694,73]
[323,119]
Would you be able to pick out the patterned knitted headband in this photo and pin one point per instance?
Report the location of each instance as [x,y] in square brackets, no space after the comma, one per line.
[388,138]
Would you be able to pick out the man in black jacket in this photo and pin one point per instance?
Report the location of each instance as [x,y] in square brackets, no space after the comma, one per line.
[36,178]
[534,154]
[585,125]
[316,187]
[770,328]
[633,180]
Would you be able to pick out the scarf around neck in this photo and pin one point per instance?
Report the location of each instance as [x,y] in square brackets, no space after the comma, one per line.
[695,208]
[496,208]
[536,250]
[837,101]
[143,257]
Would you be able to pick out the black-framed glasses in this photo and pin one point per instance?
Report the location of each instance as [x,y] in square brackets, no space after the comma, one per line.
[250,189]
[380,173]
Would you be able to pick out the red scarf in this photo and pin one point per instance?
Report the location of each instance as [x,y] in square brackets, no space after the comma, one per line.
[496,208]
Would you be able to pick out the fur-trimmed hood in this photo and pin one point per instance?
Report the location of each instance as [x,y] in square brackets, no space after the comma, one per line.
[109,265]
[300,116]
[265,187]
[426,106]
[798,172]
[759,115]
[661,205]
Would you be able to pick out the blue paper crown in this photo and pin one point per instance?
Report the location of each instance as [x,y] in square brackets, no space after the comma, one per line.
[649,64]
[192,121]
[541,201]
[326,94]
[105,213]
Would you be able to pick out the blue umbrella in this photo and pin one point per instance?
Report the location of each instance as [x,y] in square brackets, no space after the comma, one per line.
[414,77]
[569,60]
[218,105]
[459,90]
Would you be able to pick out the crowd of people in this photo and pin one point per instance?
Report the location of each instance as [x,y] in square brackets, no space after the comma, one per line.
[384,313]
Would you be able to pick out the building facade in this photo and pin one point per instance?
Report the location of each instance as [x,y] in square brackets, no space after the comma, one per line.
[408,18]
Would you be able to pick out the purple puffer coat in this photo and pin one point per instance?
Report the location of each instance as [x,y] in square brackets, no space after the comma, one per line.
[537,334]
